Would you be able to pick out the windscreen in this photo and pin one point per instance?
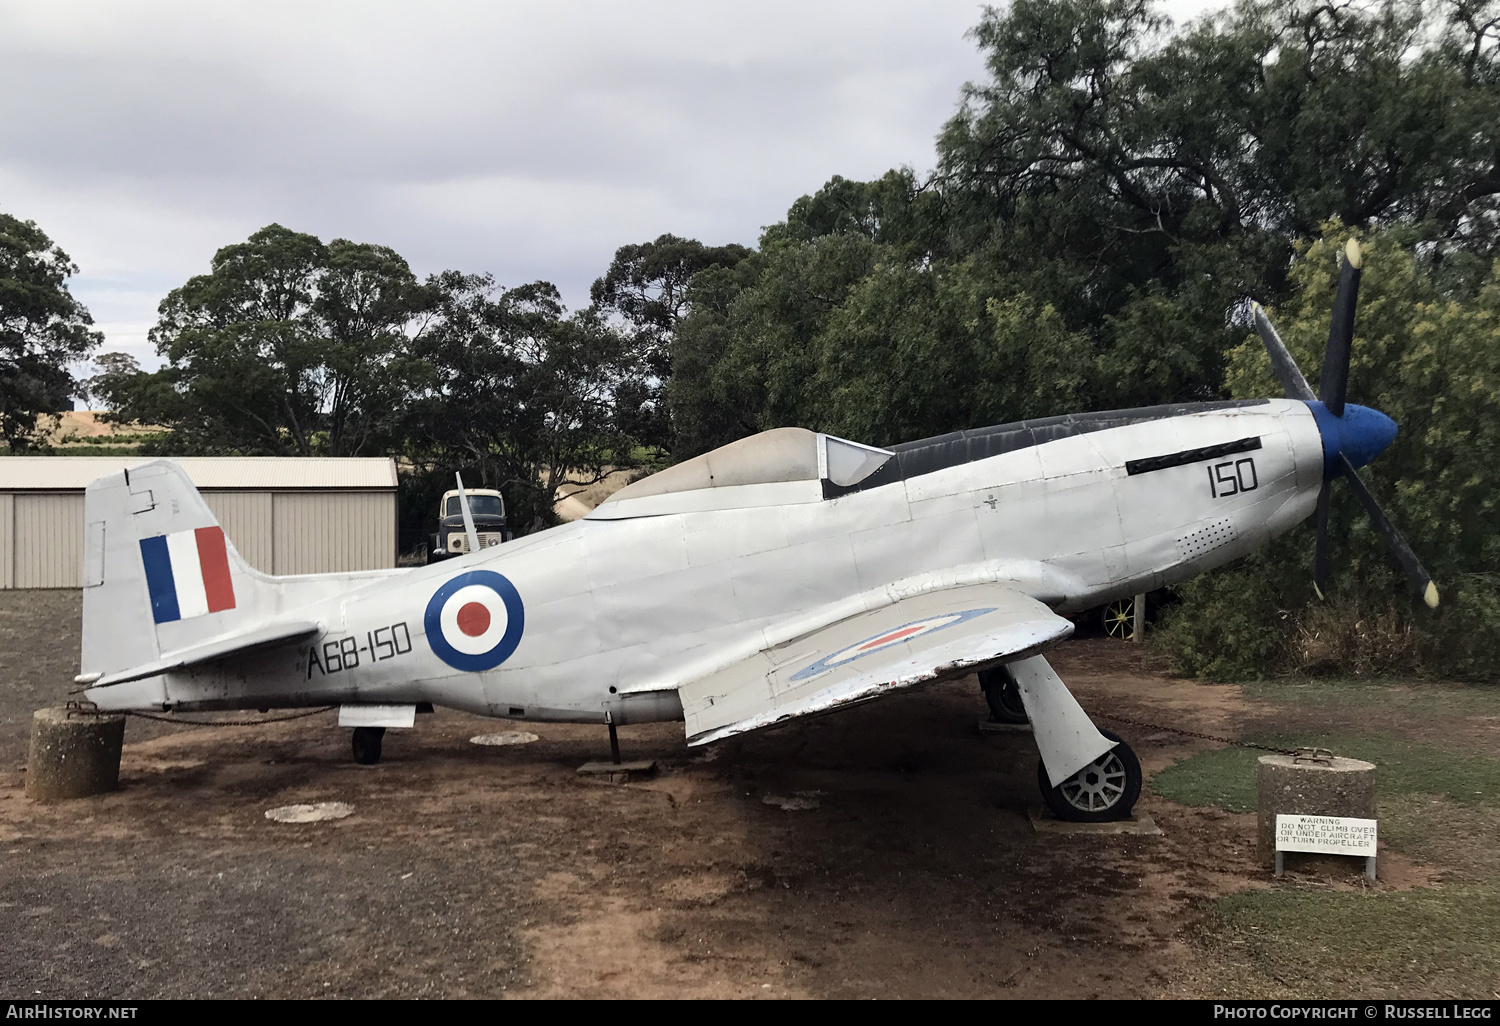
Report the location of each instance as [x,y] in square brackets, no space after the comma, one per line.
[479,505]
[850,463]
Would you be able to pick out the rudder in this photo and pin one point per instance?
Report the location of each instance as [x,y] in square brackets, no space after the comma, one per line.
[159,572]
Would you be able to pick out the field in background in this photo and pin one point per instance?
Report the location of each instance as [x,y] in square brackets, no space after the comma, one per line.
[82,433]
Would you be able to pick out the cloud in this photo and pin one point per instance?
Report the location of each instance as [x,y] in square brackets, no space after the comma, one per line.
[525,139]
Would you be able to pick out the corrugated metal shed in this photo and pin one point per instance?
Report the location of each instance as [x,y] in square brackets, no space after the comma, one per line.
[285,515]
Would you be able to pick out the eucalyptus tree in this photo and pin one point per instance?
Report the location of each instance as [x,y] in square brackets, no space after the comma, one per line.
[286,346]
[43,329]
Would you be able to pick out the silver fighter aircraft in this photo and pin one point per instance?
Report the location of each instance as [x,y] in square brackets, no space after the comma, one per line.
[786,574]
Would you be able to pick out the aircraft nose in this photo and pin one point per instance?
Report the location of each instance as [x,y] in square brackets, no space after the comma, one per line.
[1361,434]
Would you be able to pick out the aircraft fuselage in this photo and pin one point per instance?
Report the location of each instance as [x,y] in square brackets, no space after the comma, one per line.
[612,614]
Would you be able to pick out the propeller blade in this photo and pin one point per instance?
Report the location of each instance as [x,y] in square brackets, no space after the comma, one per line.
[1287,372]
[1334,384]
[1320,554]
[1402,551]
[463,507]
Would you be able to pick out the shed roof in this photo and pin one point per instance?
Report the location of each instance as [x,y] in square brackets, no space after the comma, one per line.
[216,473]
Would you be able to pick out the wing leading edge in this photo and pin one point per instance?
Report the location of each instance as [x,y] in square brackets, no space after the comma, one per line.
[923,638]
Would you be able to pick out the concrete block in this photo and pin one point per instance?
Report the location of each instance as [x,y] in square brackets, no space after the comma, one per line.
[989,726]
[1139,823]
[73,754]
[619,772]
[1286,785]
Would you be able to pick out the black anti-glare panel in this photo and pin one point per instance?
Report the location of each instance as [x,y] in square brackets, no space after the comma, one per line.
[1186,456]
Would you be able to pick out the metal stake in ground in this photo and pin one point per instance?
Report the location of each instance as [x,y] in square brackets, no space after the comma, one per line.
[617,772]
[614,738]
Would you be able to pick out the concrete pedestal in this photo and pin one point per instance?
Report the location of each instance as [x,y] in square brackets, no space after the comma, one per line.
[619,772]
[989,726]
[1289,786]
[73,754]
[1043,822]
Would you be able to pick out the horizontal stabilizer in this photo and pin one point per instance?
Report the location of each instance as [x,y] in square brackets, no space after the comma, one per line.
[235,644]
[931,636]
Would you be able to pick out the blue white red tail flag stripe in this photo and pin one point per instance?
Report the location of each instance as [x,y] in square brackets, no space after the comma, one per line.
[187,574]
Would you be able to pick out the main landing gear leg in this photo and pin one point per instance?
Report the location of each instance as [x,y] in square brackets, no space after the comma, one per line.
[1109,782]
[367,744]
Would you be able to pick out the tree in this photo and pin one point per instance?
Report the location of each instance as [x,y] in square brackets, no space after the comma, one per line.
[286,347]
[745,357]
[113,371]
[647,288]
[524,396]
[42,330]
[1134,182]
[1272,117]
[1429,357]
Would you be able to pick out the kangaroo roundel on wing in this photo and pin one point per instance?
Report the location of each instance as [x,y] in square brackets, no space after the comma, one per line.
[474,621]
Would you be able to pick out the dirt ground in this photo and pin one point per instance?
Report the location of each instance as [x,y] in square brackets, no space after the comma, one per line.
[907,868]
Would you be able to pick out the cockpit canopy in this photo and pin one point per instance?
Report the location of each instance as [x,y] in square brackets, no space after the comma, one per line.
[784,465]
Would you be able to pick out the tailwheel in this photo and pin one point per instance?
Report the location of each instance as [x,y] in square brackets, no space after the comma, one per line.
[1119,618]
[1002,695]
[367,744]
[1104,790]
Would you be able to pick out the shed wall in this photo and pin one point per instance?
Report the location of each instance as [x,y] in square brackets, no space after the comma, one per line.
[246,519]
[323,532]
[7,541]
[49,540]
[41,533]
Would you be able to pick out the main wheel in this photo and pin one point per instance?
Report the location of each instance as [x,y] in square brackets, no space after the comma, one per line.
[367,744]
[1002,695]
[1119,618]
[1104,790]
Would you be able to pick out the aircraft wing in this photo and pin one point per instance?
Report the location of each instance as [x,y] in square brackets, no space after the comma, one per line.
[922,638]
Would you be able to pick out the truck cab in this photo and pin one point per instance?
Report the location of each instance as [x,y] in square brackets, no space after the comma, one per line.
[488,509]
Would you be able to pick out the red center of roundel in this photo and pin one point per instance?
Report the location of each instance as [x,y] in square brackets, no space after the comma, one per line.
[886,639]
[473,619]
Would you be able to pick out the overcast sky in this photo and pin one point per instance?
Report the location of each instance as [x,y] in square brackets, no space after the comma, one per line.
[529,140]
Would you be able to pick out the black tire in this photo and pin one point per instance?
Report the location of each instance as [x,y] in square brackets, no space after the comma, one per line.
[1103,791]
[366,743]
[1002,695]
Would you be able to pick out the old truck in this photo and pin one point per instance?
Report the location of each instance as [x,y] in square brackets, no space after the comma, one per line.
[488,510]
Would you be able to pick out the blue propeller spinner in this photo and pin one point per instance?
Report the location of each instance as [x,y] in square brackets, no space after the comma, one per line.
[1352,435]
[1359,435]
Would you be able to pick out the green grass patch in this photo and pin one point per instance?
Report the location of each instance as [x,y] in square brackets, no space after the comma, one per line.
[1226,777]
[1419,699]
[1302,942]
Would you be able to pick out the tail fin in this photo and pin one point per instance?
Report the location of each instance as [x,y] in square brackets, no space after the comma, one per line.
[160,576]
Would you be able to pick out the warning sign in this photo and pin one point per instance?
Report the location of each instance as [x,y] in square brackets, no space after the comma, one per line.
[1326,835]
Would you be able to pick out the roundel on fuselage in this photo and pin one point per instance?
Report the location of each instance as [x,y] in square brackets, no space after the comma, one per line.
[474,621]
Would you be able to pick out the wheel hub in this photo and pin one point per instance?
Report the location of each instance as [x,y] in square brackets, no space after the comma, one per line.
[1098,786]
